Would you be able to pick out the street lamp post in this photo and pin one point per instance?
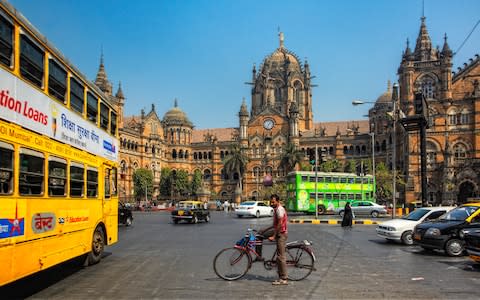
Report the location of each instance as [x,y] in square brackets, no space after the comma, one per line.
[394,150]
[372,134]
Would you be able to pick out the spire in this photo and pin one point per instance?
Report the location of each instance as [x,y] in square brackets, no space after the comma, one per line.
[281,37]
[446,51]
[408,52]
[423,48]
[102,81]
[119,93]
[243,108]
[175,103]
[389,86]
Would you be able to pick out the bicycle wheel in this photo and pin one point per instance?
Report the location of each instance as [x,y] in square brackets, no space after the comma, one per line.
[231,263]
[299,263]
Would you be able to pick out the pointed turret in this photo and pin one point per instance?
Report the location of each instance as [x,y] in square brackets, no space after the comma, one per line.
[407,54]
[423,48]
[119,95]
[102,81]
[446,51]
[243,109]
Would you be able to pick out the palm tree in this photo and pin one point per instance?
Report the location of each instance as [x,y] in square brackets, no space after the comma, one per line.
[290,157]
[236,162]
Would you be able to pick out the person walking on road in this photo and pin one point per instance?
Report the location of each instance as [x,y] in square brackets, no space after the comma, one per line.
[347,216]
[280,235]
[226,206]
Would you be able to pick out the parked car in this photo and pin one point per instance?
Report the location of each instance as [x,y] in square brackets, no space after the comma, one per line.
[444,233]
[402,229]
[253,209]
[190,211]
[364,208]
[124,214]
[471,235]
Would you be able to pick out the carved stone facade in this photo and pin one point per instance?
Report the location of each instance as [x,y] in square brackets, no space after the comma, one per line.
[281,113]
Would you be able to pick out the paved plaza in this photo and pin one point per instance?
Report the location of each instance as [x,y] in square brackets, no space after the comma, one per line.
[155,259]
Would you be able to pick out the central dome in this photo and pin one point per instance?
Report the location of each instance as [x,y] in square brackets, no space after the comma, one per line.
[387,96]
[282,57]
[176,116]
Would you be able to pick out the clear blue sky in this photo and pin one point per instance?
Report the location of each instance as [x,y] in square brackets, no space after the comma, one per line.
[202,51]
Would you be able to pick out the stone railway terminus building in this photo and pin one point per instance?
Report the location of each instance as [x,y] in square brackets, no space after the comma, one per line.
[281,113]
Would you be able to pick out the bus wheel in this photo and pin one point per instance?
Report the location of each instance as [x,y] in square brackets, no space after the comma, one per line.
[98,245]
[321,209]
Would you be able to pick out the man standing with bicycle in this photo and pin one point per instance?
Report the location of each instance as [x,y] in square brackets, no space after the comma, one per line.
[280,235]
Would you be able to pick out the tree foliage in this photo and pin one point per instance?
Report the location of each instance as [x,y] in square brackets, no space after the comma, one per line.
[384,182]
[181,183]
[143,180]
[166,182]
[278,188]
[236,162]
[196,182]
[290,158]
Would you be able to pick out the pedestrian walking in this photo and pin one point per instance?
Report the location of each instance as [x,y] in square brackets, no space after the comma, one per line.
[280,235]
[347,216]
[226,206]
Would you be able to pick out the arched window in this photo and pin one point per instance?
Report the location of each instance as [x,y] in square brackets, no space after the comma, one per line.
[205,156]
[465,117]
[345,150]
[200,156]
[297,91]
[174,154]
[384,145]
[210,155]
[195,155]
[224,175]
[222,155]
[207,174]
[330,151]
[351,151]
[452,117]
[364,149]
[180,154]
[427,87]
[186,154]
[278,93]
[235,176]
[256,172]
[431,154]
[357,150]
[269,171]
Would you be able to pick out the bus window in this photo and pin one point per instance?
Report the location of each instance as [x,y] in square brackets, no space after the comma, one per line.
[304,178]
[76,95]
[328,179]
[92,107]
[107,183]
[358,180]
[343,196]
[365,180]
[6,42]
[336,196]
[113,123]
[31,172]
[76,179]
[103,116]
[358,196]
[92,182]
[343,180]
[57,80]
[31,61]
[351,196]
[113,181]
[311,178]
[351,180]
[321,179]
[328,196]
[335,179]
[57,176]
[6,168]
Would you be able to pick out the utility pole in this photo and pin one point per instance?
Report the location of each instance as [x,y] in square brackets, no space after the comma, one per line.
[316,181]
[394,150]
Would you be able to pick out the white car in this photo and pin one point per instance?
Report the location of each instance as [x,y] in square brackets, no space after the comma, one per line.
[254,209]
[402,229]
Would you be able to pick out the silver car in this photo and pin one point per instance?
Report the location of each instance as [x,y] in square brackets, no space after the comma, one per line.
[364,208]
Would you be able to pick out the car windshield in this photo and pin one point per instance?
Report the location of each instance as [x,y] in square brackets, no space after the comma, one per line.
[248,203]
[459,213]
[416,214]
[186,205]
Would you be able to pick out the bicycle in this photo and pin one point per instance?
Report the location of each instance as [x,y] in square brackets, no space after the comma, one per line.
[234,262]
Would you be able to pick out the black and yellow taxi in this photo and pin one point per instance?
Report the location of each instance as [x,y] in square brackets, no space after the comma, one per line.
[190,211]
[471,235]
[445,233]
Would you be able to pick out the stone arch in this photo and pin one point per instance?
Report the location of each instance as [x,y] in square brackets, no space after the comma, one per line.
[207,174]
[428,84]
[174,153]
[466,189]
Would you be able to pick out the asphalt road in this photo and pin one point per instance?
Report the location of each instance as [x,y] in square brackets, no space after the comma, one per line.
[155,259]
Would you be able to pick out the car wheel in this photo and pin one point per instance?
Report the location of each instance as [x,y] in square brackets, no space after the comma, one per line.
[239,216]
[321,209]
[341,213]
[98,245]
[195,219]
[129,221]
[207,218]
[407,237]
[257,214]
[454,247]
[374,214]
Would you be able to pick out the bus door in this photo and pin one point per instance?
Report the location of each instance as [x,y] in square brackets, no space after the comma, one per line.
[110,202]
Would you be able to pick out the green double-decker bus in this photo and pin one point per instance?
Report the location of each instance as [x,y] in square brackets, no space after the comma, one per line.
[333,189]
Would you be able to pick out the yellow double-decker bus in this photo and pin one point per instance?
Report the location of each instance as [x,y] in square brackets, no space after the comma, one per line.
[58,156]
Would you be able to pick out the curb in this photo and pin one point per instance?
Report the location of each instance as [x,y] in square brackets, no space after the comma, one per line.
[332,222]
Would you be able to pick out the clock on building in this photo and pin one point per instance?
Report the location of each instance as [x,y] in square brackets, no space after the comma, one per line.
[268,124]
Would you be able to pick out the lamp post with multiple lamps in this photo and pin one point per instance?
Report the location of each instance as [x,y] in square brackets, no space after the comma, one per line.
[394,144]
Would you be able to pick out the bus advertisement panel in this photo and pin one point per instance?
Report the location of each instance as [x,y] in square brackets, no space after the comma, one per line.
[30,108]
[333,190]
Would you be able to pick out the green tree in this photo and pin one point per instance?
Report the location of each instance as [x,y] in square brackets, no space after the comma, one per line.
[143,181]
[236,162]
[384,182]
[290,158]
[331,165]
[196,182]
[351,166]
[166,182]
[278,188]
[181,185]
